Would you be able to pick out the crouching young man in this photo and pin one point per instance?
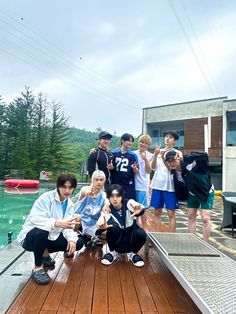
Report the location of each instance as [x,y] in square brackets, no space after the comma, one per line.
[194,172]
[123,233]
[49,227]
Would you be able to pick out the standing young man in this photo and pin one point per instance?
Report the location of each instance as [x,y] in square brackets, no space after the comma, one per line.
[142,177]
[101,158]
[125,166]
[162,185]
[49,227]
[193,169]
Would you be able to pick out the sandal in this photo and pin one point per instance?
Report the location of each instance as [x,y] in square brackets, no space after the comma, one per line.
[40,277]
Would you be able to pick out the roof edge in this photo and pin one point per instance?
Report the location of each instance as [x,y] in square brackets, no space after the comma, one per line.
[188,102]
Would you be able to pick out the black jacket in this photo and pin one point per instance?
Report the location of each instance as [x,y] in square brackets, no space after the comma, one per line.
[99,160]
[196,176]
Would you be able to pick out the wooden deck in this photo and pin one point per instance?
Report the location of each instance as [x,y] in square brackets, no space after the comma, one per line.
[84,285]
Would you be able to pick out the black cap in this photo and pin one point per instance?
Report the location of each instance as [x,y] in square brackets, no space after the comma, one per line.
[170,155]
[104,135]
[127,137]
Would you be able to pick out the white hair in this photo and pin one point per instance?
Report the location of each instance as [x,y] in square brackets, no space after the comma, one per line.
[98,173]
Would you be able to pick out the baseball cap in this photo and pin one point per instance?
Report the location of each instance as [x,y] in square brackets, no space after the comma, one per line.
[170,155]
[127,137]
[104,135]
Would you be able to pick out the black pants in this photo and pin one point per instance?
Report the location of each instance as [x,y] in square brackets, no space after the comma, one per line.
[36,241]
[125,240]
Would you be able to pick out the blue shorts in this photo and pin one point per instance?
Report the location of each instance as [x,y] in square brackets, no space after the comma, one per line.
[141,197]
[159,198]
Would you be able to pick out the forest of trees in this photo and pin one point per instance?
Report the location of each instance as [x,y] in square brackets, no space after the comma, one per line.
[35,135]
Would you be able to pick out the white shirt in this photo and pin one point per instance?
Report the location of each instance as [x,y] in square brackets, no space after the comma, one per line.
[162,179]
[43,215]
[142,177]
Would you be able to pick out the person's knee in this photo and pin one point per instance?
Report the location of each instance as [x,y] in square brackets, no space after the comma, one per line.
[157,212]
[140,236]
[34,239]
[206,219]
[41,234]
[191,216]
[171,214]
[113,231]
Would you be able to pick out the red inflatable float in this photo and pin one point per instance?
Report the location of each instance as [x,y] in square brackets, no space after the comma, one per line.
[20,183]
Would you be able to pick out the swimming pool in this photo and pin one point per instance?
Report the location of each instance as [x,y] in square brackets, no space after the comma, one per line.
[14,209]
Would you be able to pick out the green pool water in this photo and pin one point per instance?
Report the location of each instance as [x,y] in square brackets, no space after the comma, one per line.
[14,209]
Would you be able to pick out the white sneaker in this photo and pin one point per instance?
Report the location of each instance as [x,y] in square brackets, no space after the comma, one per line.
[136,259]
[109,258]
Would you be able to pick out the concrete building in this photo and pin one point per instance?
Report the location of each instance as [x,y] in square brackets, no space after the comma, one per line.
[229,145]
[203,125]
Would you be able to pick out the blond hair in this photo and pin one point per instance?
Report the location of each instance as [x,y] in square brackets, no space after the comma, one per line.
[146,139]
[98,173]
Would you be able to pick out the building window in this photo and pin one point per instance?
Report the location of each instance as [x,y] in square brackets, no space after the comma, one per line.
[231,128]
[155,133]
[159,138]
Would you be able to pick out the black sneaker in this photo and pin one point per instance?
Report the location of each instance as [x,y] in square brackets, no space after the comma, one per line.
[136,260]
[109,258]
[40,277]
[48,261]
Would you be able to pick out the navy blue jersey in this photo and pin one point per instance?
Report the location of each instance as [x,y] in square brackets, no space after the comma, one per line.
[123,172]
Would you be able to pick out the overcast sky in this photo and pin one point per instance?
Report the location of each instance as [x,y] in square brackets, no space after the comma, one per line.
[105,60]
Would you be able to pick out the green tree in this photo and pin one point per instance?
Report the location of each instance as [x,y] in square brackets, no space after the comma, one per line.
[58,139]
[19,121]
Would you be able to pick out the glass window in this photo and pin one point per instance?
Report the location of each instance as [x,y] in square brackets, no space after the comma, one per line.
[231,128]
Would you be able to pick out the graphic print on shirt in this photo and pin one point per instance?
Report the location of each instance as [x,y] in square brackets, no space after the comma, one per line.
[122,164]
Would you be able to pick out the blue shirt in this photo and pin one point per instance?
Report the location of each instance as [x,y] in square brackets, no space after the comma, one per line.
[123,172]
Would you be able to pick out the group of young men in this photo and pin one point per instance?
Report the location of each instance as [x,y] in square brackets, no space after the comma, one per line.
[117,196]
[171,170]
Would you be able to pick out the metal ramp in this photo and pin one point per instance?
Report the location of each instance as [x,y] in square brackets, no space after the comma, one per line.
[207,275]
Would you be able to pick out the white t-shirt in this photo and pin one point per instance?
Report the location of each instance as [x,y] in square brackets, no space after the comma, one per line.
[142,177]
[162,179]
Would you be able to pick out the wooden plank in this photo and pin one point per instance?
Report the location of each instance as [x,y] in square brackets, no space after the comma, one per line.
[189,305]
[162,304]
[131,302]
[115,297]
[25,295]
[100,297]
[68,300]
[85,296]
[176,295]
[143,293]
[37,299]
[54,296]
[20,302]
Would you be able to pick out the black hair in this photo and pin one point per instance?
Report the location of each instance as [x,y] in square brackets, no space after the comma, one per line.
[126,137]
[63,178]
[118,188]
[174,134]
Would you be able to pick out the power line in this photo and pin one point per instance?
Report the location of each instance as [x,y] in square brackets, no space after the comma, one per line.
[191,47]
[62,78]
[89,73]
[198,43]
